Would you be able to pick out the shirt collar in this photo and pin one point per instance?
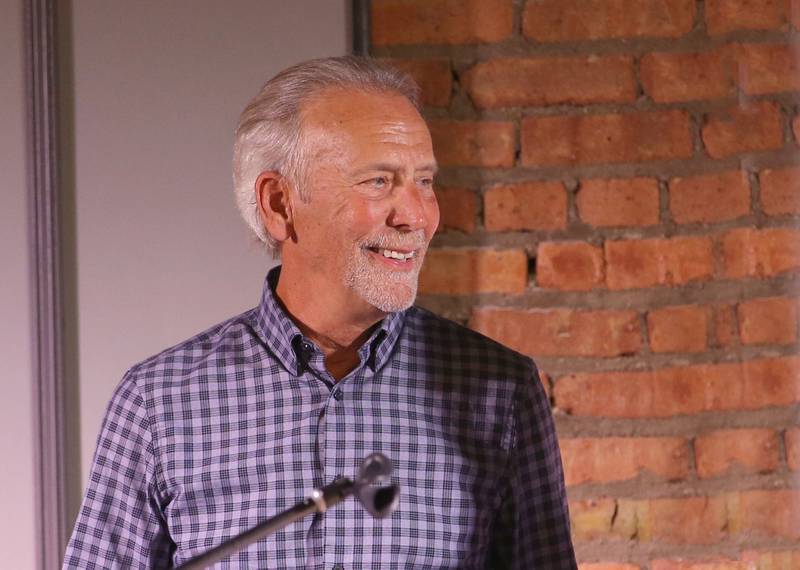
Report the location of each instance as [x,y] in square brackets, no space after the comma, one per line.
[285,340]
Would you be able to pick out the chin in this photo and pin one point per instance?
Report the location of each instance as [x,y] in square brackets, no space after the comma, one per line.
[386,290]
[388,298]
[393,305]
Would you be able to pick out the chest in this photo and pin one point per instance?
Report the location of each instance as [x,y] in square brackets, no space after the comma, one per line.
[249,455]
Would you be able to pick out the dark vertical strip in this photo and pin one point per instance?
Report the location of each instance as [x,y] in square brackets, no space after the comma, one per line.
[360,18]
[68,255]
[43,196]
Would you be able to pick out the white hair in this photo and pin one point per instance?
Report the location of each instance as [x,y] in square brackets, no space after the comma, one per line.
[269,133]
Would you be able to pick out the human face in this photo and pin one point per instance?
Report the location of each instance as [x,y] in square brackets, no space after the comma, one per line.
[372,210]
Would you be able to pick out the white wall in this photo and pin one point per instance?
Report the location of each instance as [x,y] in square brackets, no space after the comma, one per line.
[16,405]
[160,251]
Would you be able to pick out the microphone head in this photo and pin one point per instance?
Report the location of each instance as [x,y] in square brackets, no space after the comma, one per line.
[373,486]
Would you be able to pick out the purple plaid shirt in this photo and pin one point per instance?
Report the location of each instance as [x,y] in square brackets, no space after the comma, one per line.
[208,438]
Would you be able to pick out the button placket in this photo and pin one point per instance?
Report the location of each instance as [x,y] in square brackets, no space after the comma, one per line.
[332,463]
[336,456]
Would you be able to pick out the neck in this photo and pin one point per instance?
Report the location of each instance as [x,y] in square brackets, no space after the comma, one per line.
[337,321]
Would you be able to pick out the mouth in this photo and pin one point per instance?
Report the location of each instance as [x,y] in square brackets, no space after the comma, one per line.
[395,258]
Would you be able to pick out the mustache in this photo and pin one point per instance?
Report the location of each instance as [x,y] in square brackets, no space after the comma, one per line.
[396,240]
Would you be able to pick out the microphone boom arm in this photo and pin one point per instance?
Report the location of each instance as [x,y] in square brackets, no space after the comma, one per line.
[371,487]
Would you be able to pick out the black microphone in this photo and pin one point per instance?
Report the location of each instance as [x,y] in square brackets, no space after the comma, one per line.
[372,487]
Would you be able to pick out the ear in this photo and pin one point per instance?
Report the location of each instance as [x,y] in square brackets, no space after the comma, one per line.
[275,205]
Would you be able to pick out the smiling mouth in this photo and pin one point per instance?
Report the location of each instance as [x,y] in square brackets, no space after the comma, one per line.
[397,254]
[396,259]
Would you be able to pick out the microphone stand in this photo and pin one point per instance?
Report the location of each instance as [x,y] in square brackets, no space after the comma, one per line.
[370,487]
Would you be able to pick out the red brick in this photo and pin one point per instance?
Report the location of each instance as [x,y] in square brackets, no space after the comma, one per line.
[551,80]
[674,391]
[625,520]
[794,16]
[569,20]
[473,143]
[570,266]
[761,513]
[768,68]
[780,191]
[618,202]
[763,560]
[710,197]
[760,253]
[739,129]
[693,520]
[634,264]
[697,389]
[591,518]
[432,75]
[724,16]
[742,450]
[678,329]
[724,325]
[458,207]
[771,382]
[615,394]
[602,460]
[670,77]
[612,138]
[618,394]
[462,271]
[559,332]
[792,441]
[770,320]
[400,22]
[526,206]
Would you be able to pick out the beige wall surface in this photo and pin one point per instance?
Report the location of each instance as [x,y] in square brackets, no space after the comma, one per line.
[16,406]
[160,253]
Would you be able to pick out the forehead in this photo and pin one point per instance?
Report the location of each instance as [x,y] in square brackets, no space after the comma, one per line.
[364,118]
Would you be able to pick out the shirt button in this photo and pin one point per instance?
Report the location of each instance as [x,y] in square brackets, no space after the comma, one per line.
[337,394]
[338,567]
[307,347]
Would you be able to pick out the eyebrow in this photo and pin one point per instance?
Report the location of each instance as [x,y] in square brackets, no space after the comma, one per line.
[431,166]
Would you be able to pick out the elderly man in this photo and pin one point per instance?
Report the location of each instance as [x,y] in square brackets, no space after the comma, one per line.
[334,169]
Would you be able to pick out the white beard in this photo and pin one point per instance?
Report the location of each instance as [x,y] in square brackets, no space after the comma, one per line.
[381,287]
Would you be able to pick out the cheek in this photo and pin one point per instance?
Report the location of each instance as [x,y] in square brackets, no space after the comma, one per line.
[366,215]
[431,216]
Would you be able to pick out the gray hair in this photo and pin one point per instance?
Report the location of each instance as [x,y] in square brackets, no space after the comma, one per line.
[269,133]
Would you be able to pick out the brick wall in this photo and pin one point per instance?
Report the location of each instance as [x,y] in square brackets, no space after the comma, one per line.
[619,200]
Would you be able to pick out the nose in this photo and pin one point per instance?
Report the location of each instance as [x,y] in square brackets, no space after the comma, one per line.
[410,207]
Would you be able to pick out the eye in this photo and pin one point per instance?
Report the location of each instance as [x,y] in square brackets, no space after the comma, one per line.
[378,183]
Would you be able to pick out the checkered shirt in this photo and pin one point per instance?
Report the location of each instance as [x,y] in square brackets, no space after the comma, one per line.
[239,423]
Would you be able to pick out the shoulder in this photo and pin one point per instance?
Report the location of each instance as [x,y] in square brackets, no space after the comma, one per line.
[227,343]
[440,338]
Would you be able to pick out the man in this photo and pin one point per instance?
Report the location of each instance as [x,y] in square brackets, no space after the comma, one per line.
[334,167]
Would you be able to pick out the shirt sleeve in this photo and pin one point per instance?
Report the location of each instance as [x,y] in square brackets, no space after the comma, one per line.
[532,529]
[120,523]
